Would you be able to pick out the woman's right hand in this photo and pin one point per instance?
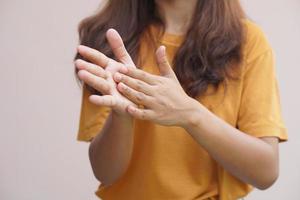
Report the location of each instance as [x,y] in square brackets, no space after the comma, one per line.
[99,72]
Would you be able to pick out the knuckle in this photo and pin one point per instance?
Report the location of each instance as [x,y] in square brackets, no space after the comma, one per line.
[93,82]
[105,75]
[122,54]
[126,89]
[93,69]
[130,70]
[144,115]
[164,61]
[125,79]
[97,69]
[142,74]
[91,66]
[161,81]
[97,54]
[139,85]
[140,97]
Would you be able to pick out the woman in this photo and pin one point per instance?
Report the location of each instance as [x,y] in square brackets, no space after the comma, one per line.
[180,100]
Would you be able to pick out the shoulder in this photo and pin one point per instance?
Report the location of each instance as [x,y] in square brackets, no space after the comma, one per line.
[255,41]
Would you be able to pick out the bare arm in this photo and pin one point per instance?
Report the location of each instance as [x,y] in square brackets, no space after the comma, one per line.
[253,160]
[110,151]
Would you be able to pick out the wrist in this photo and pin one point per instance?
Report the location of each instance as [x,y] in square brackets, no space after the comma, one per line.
[121,116]
[193,116]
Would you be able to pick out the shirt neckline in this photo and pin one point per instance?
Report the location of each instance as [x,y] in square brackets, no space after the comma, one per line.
[172,39]
[168,38]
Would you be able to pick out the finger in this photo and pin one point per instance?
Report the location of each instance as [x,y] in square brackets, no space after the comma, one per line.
[116,43]
[139,74]
[105,100]
[93,55]
[90,67]
[135,84]
[143,114]
[94,81]
[134,96]
[163,63]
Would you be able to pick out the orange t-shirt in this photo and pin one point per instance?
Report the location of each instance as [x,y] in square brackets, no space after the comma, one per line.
[167,163]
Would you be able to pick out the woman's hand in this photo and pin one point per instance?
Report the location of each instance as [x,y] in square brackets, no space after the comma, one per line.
[98,74]
[165,101]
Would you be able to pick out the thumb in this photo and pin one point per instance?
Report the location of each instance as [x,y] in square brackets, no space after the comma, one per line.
[104,100]
[116,43]
[163,63]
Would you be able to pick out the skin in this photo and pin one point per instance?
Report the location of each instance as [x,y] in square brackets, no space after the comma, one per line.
[124,87]
[176,14]
[98,74]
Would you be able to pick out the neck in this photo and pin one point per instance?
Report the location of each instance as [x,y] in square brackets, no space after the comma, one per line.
[176,14]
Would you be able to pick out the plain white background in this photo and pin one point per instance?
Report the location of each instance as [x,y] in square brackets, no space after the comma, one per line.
[40,100]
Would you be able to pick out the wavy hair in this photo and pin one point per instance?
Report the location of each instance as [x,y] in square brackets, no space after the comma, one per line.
[211,49]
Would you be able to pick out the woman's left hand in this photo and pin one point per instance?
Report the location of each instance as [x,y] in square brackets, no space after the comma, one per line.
[164,100]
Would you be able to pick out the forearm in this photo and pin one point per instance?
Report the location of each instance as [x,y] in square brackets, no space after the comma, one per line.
[110,151]
[248,158]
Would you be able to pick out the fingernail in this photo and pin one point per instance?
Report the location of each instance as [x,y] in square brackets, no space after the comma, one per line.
[81,73]
[131,109]
[124,69]
[122,85]
[118,77]
[82,48]
[78,61]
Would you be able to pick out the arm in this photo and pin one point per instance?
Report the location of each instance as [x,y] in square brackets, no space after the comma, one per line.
[251,159]
[110,151]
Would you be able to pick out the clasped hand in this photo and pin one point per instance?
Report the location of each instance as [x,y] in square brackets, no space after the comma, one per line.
[124,87]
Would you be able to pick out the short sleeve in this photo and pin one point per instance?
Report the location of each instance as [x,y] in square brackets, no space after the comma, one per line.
[92,117]
[260,109]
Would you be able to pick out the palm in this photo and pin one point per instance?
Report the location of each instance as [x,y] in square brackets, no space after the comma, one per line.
[103,69]
[121,101]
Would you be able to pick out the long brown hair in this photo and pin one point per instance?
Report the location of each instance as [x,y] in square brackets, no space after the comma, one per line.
[210,51]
